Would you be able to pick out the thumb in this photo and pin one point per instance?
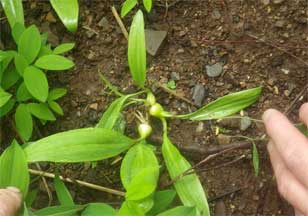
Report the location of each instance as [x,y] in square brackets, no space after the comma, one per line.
[10,201]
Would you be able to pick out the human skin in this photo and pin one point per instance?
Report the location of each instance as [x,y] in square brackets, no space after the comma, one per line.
[288,150]
[10,201]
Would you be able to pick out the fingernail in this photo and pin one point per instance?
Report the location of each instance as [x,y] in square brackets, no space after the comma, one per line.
[267,114]
[13,189]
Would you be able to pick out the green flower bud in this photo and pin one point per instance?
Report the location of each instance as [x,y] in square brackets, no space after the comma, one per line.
[150,100]
[144,130]
[157,110]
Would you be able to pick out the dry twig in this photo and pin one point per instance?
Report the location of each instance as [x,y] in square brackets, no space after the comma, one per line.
[119,21]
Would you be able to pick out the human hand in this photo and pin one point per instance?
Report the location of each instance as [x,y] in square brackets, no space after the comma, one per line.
[10,201]
[288,150]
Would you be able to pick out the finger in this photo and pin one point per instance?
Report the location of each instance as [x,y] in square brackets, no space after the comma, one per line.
[288,186]
[10,201]
[303,113]
[298,213]
[291,144]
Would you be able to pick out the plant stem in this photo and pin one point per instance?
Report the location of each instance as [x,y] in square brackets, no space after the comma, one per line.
[83,183]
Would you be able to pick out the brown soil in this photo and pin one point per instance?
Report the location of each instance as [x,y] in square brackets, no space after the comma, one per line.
[199,33]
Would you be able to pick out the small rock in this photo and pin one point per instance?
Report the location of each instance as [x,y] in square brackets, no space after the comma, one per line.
[90,34]
[182,33]
[108,40]
[276,90]
[278,1]
[223,139]
[271,81]
[104,23]
[230,123]
[198,94]
[154,39]
[181,50]
[175,76]
[286,92]
[91,55]
[200,127]
[245,123]
[50,18]
[285,71]
[214,70]
[265,2]
[280,23]
[93,106]
[220,208]
[216,14]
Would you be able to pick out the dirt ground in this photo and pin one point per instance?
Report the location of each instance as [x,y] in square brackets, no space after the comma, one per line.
[257,42]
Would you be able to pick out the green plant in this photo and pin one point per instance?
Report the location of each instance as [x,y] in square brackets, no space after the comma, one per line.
[171,85]
[128,5]
[67,11]
[23,79]
[140,167]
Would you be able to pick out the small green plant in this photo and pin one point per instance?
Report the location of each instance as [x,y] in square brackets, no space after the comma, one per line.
[171,85]
[68,12]
[140,168]
[128,5]
[23,79]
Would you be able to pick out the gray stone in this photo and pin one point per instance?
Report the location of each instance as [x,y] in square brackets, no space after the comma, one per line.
[216,14]
[278,1]
[154,39]
[175,76]
[279,23]
[245,123]
[223,139]
[214,70]
[198,94]
[104,23]
[90,34]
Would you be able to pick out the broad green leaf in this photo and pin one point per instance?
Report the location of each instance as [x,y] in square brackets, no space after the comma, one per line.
[10,77]
[145,204]
[89,144]
[138,158]
[225,106]
[147,5]
[31,196]
[112,114]
[55,107]
[189,187]
[127,6]
[6,58]
[136,50]
[179,211]
[44,39]
[36,83]
[100,209]
[30,43]
[22,93]
[63,48]
[23,120]
[20,63]
[54,62]
[41,111]
[120,124]
[4,97]
[57,93]
[302,128]
[14,168]
[255,159]
[45,50]
[62,192]
[60,210]
[162,200]
[68,12]
[143,184]
[25,210]
[7,107]
[17,31]
[130,208]
[14,11]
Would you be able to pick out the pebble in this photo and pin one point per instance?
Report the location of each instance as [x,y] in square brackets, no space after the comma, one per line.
[91,55]
[181,50]
[280,23]
[104,23]
[285,71]
[216,14]
[200,127]
[230,123]
[90,33]
[198,94]
[154,39]
[278,1]
[245,123]
[214,70]
[175,76]
[223,139]
[94,106]
[50,18]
